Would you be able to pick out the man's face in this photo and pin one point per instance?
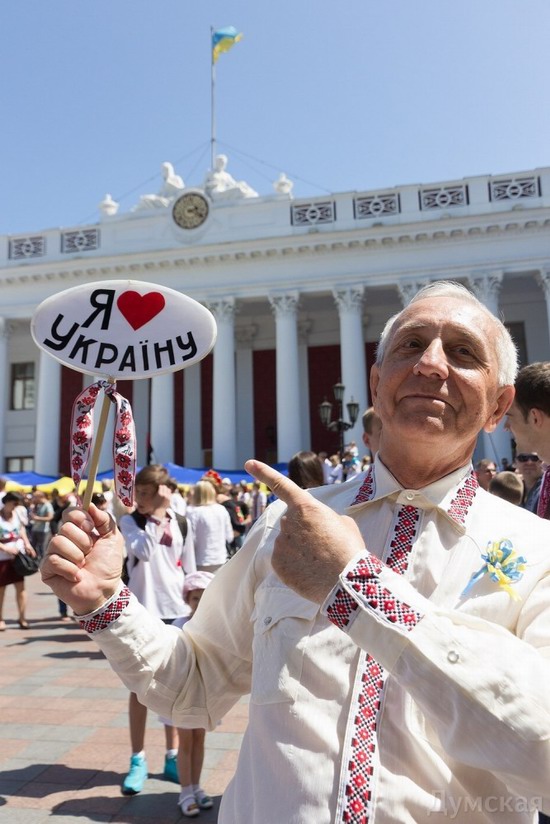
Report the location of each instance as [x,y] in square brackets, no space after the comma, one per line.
[529,466]
[438,382]
[523,429]
[145,495]
[485,475]
[372,439]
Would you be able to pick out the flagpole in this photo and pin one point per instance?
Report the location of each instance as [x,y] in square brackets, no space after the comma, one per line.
[212,101]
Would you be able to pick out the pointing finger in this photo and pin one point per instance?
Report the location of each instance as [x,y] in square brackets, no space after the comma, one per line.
[285,489]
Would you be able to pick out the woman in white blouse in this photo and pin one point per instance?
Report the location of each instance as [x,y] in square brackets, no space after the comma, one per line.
[211,525]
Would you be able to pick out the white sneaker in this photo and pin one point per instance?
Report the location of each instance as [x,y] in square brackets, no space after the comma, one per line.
[188,805]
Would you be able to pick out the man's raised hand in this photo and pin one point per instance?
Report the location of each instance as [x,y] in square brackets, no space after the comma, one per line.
[314,544]
[83,561]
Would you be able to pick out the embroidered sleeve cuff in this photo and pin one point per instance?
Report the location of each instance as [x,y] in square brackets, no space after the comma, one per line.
[361,586]
[108,613]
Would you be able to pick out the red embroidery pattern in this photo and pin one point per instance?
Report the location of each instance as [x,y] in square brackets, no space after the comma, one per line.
[360,766]
[340,611]
[462,502]
[109,614]
[544,498]
[366,492]
[405,531]
[124,438]
[365,579]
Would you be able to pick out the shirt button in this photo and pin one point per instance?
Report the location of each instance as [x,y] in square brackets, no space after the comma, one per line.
[410,496]
[453,656]
[268,620]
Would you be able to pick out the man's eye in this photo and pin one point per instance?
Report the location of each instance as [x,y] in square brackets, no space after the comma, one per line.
[465,351]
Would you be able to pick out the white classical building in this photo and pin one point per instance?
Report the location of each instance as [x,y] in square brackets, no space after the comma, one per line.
[300,290]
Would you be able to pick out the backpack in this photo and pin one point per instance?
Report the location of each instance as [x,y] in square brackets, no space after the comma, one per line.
[141,521]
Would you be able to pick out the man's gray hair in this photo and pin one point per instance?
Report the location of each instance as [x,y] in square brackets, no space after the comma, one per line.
[505,348]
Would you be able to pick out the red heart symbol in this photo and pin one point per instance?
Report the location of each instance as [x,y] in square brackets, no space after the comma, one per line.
[140,309]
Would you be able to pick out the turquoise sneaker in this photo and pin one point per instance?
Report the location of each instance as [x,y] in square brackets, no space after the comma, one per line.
[171,769]
[134,781]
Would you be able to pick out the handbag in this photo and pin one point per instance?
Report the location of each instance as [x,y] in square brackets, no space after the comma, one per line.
[25,564]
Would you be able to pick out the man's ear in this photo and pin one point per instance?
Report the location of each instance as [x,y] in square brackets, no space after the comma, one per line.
[373,382]
[503,403]
[537,417]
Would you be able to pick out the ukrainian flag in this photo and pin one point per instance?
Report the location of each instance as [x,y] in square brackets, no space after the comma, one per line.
[223,40]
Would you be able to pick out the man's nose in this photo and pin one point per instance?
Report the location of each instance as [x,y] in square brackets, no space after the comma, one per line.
[433,361]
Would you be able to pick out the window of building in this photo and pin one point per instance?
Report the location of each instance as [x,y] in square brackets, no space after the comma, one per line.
[22,385]
[20,464]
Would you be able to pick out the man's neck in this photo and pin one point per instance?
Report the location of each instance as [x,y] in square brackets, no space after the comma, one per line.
[418,474]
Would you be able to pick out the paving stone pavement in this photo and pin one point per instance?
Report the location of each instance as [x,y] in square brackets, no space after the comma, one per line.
[64,743]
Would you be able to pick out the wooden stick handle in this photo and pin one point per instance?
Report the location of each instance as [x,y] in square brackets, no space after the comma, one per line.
[94,461]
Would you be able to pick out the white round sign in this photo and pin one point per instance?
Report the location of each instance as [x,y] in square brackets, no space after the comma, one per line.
[124,329]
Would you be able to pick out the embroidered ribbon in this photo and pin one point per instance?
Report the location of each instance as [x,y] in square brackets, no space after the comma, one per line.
[503,565]
[544,496]
[124,438]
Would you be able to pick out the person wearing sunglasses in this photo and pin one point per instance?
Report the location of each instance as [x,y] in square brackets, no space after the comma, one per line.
[529,468]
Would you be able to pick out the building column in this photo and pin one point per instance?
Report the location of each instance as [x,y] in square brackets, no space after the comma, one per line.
[408,288]
[304,328]
[486,288]
[224,414]
[5,383]
[245,392]
[353,365]
[192,434]
[46,453]
[289,417]
[494,445]
[543,280]
[140,408]
[162,417]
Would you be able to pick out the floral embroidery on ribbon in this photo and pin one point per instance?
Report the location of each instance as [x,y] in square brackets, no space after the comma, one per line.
[124,438]
[503,565]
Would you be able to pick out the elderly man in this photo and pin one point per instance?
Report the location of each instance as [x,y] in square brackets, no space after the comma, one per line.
[394,641]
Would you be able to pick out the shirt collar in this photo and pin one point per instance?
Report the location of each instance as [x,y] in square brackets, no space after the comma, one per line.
[452,495]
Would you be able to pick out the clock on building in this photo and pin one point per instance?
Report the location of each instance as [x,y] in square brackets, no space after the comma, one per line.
[190,210]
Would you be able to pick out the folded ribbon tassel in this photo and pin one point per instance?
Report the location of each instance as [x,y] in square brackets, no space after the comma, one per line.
[124,438]
[503,565]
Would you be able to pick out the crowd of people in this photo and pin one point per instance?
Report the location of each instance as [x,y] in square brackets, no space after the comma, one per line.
[175,540]
[387,613]
[518,481]
[391,626]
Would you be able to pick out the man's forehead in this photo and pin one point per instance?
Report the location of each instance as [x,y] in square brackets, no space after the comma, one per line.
[438,309]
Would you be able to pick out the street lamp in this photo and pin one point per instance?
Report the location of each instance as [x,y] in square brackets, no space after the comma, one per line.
[339,425]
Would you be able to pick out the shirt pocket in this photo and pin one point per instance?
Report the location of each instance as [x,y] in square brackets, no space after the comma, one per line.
[282,626]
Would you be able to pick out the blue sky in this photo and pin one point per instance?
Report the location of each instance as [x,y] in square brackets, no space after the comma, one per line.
[342,95]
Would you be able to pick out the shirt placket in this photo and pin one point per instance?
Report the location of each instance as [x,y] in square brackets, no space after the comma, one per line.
[357,780]
[359,758]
